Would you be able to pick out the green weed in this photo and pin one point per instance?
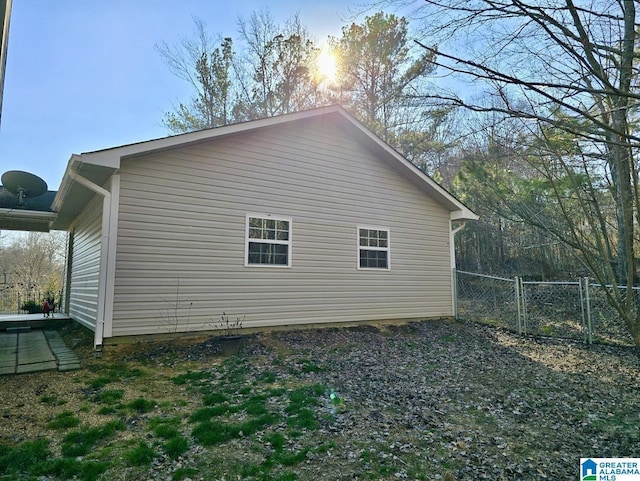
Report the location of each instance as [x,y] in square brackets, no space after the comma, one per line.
[64,420]
[183,473]
[191,377]
[52,401]
[115,373]
[81,442]
[276,440]
[309,366]
[214,398]
[268,377]
[175,446]
[292,459]
[166,431]
[304,418]
[140,455]
[108,396]
[205,414]
[23,457]
[71,468]
[208,434]
[141,405]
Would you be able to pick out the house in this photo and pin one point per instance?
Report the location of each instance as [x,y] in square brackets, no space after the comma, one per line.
[589,469]
[305,218]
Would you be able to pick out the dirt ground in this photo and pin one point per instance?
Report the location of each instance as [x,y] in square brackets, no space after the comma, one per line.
[426,400]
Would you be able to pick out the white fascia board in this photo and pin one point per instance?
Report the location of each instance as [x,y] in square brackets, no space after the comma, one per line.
[464,214]
[74,161]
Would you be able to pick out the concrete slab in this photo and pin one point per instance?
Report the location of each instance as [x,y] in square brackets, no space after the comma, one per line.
[35,367]
[7,369]
[35,350]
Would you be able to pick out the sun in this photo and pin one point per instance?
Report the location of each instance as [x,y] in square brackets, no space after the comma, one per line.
[327,66]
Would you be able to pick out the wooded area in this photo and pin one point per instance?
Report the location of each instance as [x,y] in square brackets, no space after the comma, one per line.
[31,268]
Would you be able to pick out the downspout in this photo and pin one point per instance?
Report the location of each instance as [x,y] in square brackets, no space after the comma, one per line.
[104,253]
[452,253]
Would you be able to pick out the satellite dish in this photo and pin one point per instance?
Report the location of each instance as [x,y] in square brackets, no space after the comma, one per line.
[23,185]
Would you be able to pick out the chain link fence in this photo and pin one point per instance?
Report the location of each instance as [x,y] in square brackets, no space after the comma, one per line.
[572,310]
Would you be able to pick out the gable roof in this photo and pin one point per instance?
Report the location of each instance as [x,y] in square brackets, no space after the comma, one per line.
[99,165]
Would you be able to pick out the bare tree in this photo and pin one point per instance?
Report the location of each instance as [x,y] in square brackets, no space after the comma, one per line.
[209,69]
[278,66]
[567,70]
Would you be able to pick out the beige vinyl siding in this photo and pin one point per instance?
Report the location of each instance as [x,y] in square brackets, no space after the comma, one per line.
[181,235]
[83,292]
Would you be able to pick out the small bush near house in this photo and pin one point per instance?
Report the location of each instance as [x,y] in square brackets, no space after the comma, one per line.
[32,307]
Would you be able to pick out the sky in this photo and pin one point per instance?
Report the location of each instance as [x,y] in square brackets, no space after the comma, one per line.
[86,75]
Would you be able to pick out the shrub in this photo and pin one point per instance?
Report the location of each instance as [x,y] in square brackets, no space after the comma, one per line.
[32,307]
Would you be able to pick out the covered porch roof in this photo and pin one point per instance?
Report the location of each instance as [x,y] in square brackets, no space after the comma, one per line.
[35,214]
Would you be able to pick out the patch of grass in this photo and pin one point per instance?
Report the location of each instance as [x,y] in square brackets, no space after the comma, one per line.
[276,440]
[205,414]
[209,434]
[236,370]
[292,459]
[23,457]
[304,418]
[191,377]
[214,398]
[109,396]
[141,405]
[106,410]
[159,421]
[183,473]
[306,395]
[325,447]
[255,405]
[52,401]
[276,392]
[64,420]
[301,416]
[114,373]
[81,442]
[310,366]
[71,468]
[166,431]
[142,454]
[268,377]
[176,446]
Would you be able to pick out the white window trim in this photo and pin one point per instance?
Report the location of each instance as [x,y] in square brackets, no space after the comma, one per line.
[268,241]
[387,249]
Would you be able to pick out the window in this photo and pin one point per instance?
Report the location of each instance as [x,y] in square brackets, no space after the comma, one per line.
[373,248]
[268,241]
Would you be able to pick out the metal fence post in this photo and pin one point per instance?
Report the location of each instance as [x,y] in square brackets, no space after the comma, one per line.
[583,315]
[516,284]
[588,309]
[523,296]
[454,281]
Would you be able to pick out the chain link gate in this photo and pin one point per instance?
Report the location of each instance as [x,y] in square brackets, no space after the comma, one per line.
[571,310]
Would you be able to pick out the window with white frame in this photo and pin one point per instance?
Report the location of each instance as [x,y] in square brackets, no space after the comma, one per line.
[373,248]
[268,241]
